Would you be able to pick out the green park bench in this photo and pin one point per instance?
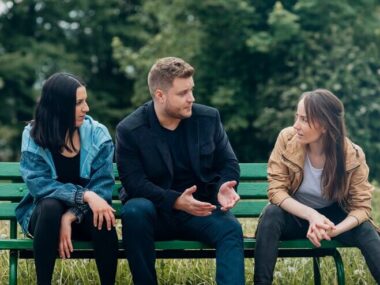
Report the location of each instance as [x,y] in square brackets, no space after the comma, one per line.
[252,190]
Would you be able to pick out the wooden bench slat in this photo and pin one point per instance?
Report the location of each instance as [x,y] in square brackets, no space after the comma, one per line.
[246,190]
[248,209]
[12,191]
[15,191]
[249,243]
[253,190]
[7,211]
[243,209]
[256,171]
[10,170]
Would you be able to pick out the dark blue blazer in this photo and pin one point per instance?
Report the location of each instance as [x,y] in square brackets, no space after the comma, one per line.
[144,161]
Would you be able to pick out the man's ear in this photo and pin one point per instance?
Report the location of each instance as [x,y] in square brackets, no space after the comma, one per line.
[159,96]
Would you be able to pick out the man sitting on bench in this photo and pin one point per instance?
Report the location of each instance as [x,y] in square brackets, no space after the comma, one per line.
[179,173]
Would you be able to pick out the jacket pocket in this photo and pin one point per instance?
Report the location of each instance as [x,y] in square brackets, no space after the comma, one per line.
[207,154]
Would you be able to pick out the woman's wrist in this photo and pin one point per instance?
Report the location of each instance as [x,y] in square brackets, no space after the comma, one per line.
[310,214]
[69,217]
[88,196]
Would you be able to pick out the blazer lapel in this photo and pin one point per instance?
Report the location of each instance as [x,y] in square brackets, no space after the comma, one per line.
[192,138]
[161,145]
[165,153]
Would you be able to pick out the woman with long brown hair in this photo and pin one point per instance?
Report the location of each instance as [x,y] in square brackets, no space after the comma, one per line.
[318,187]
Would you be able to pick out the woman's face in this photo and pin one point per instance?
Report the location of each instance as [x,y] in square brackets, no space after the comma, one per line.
[81,107]
[306,134]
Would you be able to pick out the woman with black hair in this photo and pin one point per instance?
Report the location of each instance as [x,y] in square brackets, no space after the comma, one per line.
[66,163]
[318,187]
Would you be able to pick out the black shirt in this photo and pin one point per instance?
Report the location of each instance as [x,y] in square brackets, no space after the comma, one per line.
[67,168]
[183,174]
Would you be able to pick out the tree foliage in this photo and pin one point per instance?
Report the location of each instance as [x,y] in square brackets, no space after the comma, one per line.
[38,38]
[253,60]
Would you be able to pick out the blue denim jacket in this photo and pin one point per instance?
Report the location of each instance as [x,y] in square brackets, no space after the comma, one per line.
[39,173]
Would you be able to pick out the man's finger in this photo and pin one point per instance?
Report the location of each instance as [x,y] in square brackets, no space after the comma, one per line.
[201,213]
[191,190]
[231,183]
[204,205]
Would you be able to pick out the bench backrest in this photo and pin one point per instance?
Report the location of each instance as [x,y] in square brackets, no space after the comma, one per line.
[252,188]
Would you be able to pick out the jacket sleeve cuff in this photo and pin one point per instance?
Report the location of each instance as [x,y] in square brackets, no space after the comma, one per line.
[77,213]
[78,199]
[168,202]
[278,198]
[360,215]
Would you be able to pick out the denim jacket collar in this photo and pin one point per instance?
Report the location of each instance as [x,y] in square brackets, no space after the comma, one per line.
[92,136]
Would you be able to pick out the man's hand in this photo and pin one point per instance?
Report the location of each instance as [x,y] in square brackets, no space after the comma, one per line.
[227,196]
[188,204]
[65,244]
[100,209]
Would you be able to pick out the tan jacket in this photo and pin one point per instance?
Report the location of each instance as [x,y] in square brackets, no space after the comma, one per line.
[285,175]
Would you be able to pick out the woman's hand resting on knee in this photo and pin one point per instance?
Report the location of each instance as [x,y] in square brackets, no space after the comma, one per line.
[101,210]
[65,244]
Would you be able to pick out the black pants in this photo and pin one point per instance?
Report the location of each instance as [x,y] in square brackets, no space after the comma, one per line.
[143,225]
[277,224]
[45,226]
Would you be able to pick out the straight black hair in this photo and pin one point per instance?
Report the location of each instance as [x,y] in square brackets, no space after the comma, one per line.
[54,117]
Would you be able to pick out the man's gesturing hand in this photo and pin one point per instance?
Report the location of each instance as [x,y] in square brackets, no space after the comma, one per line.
[188,204]
[227,196]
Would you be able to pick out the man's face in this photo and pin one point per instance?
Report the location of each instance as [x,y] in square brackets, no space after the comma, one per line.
[179,99]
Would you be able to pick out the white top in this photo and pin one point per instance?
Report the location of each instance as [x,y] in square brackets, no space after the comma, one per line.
[310,191]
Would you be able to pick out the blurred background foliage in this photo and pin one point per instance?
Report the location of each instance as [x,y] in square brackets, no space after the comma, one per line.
[253,59]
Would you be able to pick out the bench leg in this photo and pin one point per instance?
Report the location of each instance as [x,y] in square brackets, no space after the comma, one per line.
[339,267]
[317,271]
[13,257]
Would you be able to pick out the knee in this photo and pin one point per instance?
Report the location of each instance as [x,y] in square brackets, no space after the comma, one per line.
[231,229]
[50,210]
[271,217]
[137,212]
[235,228]
[365,233]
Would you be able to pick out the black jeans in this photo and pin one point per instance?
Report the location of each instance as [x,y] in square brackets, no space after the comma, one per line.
[45,226]
[276,224]
[142,225]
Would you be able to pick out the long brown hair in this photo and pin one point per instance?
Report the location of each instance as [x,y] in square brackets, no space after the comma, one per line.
[324,108]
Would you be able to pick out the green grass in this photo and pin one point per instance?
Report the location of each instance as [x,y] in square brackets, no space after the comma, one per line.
[201,272]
